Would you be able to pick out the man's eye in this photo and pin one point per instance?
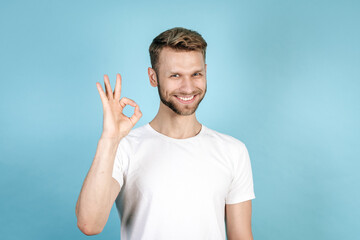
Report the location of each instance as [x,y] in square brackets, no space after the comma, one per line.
[197,74]
[175,75]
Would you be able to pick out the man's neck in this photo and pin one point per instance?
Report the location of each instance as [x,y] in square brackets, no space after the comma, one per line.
[173,125]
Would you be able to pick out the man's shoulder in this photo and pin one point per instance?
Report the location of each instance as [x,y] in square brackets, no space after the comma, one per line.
[223,138]
[137,133]
[133,138]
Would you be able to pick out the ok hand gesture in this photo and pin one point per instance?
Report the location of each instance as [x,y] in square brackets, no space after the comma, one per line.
[116,125]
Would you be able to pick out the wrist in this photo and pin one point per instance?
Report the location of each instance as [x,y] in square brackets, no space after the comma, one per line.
[107,139]
[111,136]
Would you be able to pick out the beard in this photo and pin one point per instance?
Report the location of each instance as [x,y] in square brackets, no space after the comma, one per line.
[178,108]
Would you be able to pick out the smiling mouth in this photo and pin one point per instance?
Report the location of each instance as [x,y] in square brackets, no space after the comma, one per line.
[186,99]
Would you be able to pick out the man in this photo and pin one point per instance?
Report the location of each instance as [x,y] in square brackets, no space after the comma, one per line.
[172,178]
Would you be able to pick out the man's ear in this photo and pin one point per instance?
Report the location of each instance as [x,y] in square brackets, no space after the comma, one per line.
[152,77]
[205,70]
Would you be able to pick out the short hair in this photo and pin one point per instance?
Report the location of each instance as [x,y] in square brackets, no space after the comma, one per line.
[177,38]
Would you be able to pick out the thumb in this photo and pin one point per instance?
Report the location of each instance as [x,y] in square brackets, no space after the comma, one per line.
[136,116]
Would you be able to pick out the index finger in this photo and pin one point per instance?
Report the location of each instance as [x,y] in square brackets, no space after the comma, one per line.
[103,97]
[117,90]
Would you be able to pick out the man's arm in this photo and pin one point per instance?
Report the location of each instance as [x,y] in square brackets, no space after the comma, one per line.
[100,189]
[238,221]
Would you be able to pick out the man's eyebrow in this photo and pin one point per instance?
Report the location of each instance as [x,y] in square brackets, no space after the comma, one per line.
[198,70]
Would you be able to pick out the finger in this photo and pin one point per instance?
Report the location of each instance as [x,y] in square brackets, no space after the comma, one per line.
[101,92]
[117,90]
[136,116]
[109,93]
[126,101]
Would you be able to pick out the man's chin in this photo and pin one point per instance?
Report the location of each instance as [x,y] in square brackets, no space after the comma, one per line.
[185,113]
[180,109]
[185,110]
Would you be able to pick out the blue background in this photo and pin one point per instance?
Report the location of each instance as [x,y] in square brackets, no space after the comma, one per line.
[283,77]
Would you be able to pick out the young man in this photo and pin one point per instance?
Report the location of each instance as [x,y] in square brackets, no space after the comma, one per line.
[172,178]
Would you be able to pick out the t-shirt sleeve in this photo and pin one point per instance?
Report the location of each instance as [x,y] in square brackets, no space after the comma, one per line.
[121,162]
[241,188]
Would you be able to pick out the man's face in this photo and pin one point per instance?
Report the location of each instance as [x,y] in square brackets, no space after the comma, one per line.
[181,80]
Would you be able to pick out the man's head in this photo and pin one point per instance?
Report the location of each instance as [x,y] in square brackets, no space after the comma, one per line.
[179,69]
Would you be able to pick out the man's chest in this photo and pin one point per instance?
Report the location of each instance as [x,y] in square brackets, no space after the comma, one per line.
[173,173]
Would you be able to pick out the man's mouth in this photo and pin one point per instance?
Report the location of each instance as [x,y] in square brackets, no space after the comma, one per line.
[186,99]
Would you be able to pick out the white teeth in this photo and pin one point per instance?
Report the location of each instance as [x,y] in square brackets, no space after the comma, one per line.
[186,99]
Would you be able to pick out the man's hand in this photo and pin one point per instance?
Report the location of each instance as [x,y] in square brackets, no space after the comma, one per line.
[116,125]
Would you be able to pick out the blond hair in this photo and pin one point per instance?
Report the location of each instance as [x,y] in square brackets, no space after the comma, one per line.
[177,38]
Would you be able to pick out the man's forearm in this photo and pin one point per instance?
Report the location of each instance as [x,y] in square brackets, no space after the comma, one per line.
[95,200]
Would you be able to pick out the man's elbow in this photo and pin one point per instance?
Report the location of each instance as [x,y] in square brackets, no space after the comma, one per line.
[87,229]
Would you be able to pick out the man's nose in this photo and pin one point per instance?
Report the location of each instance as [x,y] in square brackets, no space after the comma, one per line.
[187,84]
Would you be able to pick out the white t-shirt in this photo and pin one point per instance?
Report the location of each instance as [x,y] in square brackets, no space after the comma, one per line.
[177,188]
